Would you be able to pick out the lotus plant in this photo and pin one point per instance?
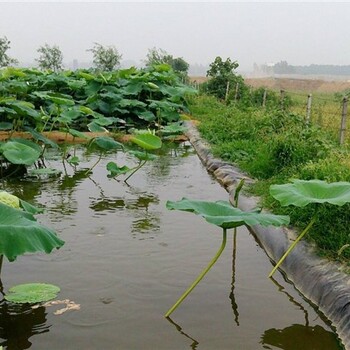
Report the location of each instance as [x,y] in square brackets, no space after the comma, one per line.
[301,193]
[147,142]
[19,231]
[224,215]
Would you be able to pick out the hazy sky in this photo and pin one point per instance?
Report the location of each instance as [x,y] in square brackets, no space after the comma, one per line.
[298,32]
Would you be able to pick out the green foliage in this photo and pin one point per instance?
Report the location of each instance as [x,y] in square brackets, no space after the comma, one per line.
[222,73]
[303,192]
[148,141]
[159,56]
[5,60]
[224,215]
[88,100]
[20,233]
[32,293]
[9,199]
[275,146]
[50,58]
[105,58]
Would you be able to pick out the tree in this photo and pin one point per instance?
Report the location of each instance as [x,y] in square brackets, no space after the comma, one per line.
[220,68]
[51,57]
[223,76]
[5,60]
[159,56]
[105,58]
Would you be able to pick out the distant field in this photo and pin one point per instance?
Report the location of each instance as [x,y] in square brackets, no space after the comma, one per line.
[291,84]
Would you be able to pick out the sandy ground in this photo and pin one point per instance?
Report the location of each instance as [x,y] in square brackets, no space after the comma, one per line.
[293,84]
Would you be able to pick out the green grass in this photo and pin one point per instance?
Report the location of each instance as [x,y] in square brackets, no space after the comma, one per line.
[274,146]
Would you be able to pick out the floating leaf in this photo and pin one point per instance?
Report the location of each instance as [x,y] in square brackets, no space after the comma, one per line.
[147,141]
[224,215]
[115,170]
[20,234]
[32,293]
[301,193]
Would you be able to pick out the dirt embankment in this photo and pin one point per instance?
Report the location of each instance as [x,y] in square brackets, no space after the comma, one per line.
[292,84]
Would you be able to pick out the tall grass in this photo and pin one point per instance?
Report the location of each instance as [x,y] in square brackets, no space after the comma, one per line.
[274,146]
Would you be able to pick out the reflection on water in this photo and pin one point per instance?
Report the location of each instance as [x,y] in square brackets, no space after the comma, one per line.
[126,279]
[179,329]
[232,293]
[299,337]
[18,323]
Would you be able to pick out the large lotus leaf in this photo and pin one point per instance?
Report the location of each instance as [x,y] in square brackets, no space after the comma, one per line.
[28,143]
[224,215]
[20,233]
[32,293]
[106,143]
[147,141]
[301,192]
[23,108]
[19,153]
[57,98]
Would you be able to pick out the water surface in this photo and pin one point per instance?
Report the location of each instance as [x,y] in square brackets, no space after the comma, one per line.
[127,259]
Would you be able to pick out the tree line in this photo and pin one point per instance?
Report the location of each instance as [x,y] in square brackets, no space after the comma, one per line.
[105,58]
[283,67]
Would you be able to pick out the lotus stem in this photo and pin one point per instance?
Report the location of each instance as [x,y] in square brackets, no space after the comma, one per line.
[200,277]
[98,160]
[307,228]
[136,169]
[237,192]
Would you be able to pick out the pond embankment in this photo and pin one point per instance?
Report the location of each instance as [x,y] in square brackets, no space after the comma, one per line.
[319,280]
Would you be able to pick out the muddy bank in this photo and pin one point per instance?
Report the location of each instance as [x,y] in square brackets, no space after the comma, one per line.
[319,280]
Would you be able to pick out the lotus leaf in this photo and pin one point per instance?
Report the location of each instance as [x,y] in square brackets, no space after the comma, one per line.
[147,141]
[115,170]
[143,155]
[224,215]
[20,233]
[76,133]
[301,193]
[107,143]
[19,153]
[94,127]
[32,293]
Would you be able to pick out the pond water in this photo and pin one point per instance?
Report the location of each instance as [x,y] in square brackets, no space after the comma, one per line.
[127,259]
